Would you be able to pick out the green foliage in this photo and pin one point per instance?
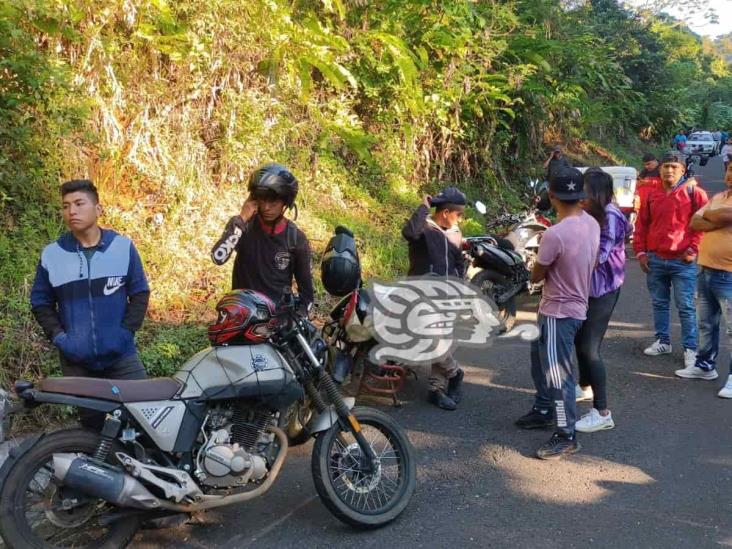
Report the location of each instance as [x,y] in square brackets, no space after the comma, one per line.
[168,106]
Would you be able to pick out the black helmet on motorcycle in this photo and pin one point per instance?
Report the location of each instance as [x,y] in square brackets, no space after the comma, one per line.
[274,179]
[340,270]
[245,317]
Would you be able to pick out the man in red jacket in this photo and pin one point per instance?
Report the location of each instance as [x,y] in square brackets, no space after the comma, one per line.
[666,248]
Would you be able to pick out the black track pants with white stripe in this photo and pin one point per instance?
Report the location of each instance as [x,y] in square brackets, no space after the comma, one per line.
[551,368]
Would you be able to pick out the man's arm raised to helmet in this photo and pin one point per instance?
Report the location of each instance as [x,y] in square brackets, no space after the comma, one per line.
[236,228]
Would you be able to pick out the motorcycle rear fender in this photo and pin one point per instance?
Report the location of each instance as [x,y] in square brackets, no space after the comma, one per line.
[328,418]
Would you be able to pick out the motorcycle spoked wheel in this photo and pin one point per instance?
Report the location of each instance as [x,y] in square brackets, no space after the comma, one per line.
[360,499]
[31,512]
[492,284]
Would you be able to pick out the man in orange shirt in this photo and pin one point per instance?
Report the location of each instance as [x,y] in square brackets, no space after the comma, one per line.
[714,284]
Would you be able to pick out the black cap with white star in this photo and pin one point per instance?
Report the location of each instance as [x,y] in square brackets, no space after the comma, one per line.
[568,185]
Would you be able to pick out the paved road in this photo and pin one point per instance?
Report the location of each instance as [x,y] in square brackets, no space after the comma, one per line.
[661,479]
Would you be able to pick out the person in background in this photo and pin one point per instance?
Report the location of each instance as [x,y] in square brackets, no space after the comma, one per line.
[666,248]
[680,141]
[714,285]
[717,136]
[270,249]
[435,248]
[607,278]
[556,163]
[90,294]
[648,179]
[727,154]
[566,259]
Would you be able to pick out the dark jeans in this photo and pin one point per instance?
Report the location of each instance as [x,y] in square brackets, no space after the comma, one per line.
[588,342]
[665,274]
[715,303]
[129,367]
[551,368]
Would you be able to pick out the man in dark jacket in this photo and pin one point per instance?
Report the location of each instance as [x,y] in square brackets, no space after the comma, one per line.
[556,163]
[90,294]
[270,249]
[435,248]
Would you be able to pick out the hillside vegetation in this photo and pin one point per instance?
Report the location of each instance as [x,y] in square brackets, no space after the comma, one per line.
[167,106]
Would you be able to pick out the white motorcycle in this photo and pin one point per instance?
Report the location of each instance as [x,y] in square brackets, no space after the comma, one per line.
[211,435]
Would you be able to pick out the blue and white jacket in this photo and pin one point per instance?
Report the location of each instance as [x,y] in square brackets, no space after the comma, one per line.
[91,297]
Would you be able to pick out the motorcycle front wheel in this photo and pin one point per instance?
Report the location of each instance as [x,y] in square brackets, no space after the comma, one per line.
[492,284]
[36,512]
[359,498]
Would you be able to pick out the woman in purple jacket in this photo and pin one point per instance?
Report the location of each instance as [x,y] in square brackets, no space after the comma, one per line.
[607,278]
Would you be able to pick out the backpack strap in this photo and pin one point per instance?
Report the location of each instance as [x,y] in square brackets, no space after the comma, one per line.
[291,238]
[692,196]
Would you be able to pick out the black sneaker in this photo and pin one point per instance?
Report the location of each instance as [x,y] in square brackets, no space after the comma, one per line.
[455,386]
[441,400]
[558,446]
[536,419]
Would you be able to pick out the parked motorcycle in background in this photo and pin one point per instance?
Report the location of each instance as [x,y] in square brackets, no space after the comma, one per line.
[500,264]
[350,333]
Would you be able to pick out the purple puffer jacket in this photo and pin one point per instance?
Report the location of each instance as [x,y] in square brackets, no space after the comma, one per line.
[609,272]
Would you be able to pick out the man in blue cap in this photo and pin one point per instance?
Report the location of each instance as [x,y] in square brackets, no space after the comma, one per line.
[435,248]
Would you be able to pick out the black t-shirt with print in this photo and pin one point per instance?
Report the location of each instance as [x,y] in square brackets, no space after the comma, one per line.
[266,261]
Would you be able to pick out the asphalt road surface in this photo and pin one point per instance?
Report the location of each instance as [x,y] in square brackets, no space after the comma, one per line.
[661,479]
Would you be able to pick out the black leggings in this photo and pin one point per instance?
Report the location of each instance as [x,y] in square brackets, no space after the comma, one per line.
[588,342]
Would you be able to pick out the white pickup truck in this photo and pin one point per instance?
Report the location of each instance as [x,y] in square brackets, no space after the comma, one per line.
[701,144]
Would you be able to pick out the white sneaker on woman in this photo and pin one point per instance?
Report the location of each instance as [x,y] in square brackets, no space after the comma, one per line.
[658,348]
[581,394]
[589,423]
[726,391]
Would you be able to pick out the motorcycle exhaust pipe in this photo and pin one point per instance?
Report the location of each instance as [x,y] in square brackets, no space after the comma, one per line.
[99,479]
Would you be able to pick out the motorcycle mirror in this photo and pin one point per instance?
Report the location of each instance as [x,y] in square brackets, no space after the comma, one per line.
[481,207]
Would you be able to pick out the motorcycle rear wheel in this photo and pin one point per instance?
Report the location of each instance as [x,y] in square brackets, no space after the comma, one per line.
[492,284]
[28,488]
[360,499]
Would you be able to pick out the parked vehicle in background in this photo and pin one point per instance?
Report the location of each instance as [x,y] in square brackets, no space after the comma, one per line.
[701,144]
[625,179]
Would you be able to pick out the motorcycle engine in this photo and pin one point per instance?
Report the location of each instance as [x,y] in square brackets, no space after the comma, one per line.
[231,457]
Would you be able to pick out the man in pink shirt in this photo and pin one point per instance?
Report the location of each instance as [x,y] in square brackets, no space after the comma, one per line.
[567,256]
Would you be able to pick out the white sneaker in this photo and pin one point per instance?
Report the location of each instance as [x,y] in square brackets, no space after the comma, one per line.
[694,372]
[726,391]
[690,359]
[658,348]
[589,423]
[581,394]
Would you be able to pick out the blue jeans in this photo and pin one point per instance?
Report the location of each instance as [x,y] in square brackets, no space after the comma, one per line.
[715,300]
[551,369]
[665,273]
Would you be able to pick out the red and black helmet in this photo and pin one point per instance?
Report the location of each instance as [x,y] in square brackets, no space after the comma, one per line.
[245,317]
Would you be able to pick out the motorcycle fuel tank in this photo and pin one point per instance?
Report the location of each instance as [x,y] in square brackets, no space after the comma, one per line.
[236,371]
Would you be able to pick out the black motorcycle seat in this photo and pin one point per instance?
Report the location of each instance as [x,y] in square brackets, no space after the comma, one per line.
[504,243]
[118,390]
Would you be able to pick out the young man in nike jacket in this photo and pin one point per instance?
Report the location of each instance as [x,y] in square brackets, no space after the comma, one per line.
[90,293]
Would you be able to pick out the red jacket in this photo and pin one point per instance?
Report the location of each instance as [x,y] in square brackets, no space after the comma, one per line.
[662,226]
[644,187]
